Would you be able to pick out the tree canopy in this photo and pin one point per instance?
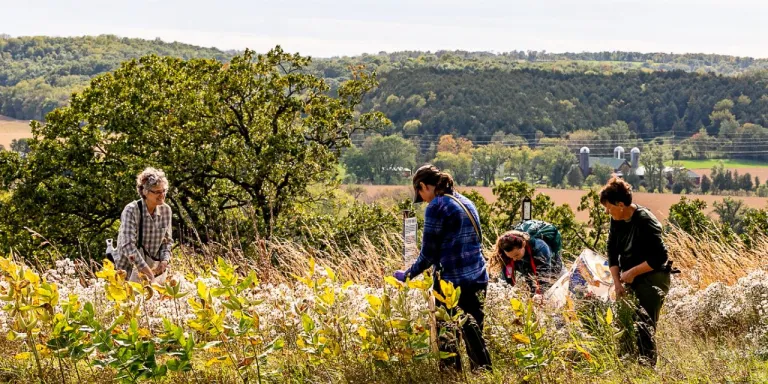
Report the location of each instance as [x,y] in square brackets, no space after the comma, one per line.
[258,132]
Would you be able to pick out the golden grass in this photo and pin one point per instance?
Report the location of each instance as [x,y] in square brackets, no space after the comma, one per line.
[709,258]
[702,261]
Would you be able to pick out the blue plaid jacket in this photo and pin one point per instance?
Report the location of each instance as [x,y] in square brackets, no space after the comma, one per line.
[450,242]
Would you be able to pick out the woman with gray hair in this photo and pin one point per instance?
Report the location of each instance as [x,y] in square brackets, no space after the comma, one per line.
[144,240]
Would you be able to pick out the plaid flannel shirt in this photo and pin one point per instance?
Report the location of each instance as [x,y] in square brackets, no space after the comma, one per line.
[156,236]
[450,242]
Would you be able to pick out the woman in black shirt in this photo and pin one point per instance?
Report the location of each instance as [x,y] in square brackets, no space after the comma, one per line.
[638,259]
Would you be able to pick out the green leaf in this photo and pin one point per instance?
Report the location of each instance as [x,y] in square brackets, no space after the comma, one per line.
[307,323]
[276,345]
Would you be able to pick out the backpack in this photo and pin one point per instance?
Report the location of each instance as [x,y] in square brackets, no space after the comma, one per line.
[546,232]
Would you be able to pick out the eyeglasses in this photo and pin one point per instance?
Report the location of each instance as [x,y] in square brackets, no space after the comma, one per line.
[159,192]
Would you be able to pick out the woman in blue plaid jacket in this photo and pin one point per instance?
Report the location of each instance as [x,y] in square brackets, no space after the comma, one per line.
[452,244]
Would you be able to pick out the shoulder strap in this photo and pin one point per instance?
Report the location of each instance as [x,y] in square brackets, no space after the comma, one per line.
[471,218]
[141,226]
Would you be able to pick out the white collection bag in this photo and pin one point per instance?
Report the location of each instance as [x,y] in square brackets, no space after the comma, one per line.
[588,276]
[159,279]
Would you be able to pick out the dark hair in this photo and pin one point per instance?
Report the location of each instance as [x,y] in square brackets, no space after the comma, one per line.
[509,241]
[616,191]
[431,175]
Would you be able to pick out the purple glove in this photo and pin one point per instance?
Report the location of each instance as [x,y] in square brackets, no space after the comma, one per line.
[399,275]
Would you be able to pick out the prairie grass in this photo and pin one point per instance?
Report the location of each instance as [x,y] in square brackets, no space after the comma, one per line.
[686,355]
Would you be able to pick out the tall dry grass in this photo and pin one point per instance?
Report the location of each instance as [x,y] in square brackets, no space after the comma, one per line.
[276,261]
[710,257]
[702,259]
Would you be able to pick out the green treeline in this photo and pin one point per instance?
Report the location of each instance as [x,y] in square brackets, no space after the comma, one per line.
[527,102]
[458,92]
[38,74]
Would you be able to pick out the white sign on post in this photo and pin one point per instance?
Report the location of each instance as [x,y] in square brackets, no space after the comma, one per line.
[410,225]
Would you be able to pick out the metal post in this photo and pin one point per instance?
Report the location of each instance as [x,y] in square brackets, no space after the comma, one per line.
[526,208]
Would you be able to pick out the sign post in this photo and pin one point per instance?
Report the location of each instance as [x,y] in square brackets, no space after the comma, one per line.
[410,226]
[526,208]
[410,253]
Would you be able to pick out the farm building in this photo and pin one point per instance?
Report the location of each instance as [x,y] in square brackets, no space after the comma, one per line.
[619,161]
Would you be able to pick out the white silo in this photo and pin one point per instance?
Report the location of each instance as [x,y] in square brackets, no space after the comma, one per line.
[618,152]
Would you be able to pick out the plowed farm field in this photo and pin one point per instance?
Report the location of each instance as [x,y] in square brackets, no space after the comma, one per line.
[658,203]
[13,129]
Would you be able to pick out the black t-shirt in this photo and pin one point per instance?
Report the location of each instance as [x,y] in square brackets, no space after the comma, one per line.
[632,242]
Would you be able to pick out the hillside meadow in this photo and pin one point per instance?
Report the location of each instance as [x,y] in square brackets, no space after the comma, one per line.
[280,315]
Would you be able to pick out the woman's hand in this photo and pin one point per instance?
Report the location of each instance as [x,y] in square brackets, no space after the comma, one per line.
[620,290]
[628,276]
[161,268]
[147,272]
[399,275]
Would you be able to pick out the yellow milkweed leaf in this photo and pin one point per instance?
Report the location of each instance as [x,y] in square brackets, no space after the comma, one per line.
[391,280]
[330,273]
[202,290]
[517,306]
[217,360]
[397,324]
[144,333]
[328,296]
[107,271]
[381,355]
[418,284]
[447,288]
[520,338]
[374,301]
[116,293]
[33,277]
[23,356]
[7,265]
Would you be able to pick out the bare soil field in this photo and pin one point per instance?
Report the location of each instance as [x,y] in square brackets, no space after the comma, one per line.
[13,129]
[658,203]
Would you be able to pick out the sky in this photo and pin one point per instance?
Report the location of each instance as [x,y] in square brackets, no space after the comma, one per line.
[325,28]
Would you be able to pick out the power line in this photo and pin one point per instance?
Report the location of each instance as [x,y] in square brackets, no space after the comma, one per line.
[586,141]
[608,147]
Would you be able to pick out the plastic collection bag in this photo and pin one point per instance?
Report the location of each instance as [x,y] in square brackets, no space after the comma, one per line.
[159,279]
[588,276]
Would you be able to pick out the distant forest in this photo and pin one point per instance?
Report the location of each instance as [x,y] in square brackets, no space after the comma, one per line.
[526,102]
[472,94]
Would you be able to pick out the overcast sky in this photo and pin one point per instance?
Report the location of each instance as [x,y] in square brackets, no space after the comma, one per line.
[326,28]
